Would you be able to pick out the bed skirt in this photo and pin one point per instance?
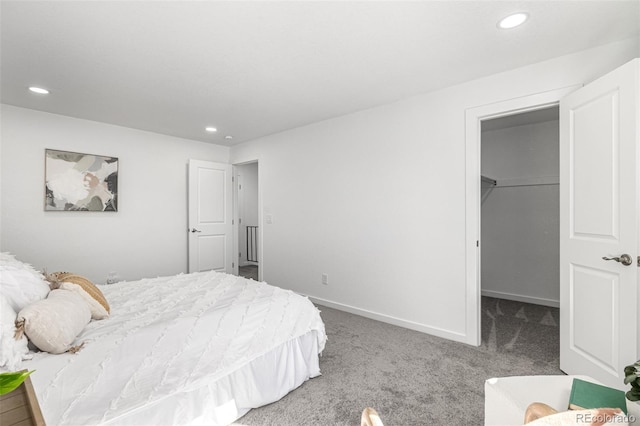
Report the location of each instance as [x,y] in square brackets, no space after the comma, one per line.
[264,380]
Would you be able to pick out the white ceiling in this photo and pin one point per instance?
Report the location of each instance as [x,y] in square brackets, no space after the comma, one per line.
[256,68]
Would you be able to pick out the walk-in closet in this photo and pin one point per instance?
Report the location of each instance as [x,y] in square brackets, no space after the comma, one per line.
[520,219]
[520,207]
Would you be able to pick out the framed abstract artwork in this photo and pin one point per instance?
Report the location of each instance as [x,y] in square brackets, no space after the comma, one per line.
[80,182]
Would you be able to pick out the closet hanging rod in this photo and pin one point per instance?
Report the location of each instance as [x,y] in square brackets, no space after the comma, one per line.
[488,180]
[512,185]
[528,181]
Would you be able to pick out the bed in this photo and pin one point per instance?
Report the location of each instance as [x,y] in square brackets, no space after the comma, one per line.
[199,348]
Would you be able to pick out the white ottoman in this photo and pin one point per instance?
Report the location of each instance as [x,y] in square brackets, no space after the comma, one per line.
[506,398]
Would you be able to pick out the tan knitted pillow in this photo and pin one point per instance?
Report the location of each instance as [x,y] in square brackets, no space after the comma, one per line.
[92,295]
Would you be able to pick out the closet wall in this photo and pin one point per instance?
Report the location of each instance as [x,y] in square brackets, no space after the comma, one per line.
[520,215]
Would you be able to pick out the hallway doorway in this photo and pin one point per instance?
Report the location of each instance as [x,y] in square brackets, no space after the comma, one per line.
[246,177]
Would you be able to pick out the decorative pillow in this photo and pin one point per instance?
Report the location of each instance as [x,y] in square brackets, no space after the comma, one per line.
[52,324]
[20,283]
[12,350]
[91,294]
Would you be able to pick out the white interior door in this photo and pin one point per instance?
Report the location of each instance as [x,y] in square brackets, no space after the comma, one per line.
[210,217]
[599,218]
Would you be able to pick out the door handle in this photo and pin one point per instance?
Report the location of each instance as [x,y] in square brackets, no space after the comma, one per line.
[195,230]
[625,259]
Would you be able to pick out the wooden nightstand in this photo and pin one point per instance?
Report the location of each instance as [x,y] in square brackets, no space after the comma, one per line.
[20,407]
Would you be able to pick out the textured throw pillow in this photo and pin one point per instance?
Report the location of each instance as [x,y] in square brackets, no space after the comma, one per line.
[52,324]
[90,293]
[20,284]
[12,350]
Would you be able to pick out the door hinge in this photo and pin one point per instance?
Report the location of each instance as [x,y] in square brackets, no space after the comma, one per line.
[233,221]
[233,265]
[477,243]
[239,221]
[240,254]
[233,178]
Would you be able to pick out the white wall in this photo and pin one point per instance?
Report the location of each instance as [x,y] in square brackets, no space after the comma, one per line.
[376,199]
[520,224]
[248,205]
[146,237]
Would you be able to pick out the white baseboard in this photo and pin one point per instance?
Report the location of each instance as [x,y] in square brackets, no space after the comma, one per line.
[435,331]
[520,298]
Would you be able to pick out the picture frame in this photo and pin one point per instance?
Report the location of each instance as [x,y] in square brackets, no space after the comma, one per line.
[80,182]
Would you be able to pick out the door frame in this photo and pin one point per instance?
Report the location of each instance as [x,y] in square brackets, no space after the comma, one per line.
[236,215]
[473,195]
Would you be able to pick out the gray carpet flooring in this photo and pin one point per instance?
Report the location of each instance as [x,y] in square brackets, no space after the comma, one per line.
[412,378]
[249,271]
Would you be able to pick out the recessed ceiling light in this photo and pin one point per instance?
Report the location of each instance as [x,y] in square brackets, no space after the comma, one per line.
[228,137]
[211,129]
[513,20]
[39,90]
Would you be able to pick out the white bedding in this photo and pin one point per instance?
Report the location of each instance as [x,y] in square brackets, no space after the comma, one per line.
[198,348]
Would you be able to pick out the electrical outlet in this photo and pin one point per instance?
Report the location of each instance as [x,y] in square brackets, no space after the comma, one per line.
[325,279]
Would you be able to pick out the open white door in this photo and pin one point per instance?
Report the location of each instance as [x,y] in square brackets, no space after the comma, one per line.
[599,218]
[210,217]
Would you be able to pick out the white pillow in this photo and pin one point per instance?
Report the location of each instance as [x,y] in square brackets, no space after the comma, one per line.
[52,324]
[8,259]
[20,283]
[12,350]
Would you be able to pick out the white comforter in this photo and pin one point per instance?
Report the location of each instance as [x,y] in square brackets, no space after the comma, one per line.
[172,337]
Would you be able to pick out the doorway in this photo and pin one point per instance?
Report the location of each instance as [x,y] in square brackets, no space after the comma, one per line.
[520,220]
[246,178]
[474,118]
[520,213]
[598,189]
